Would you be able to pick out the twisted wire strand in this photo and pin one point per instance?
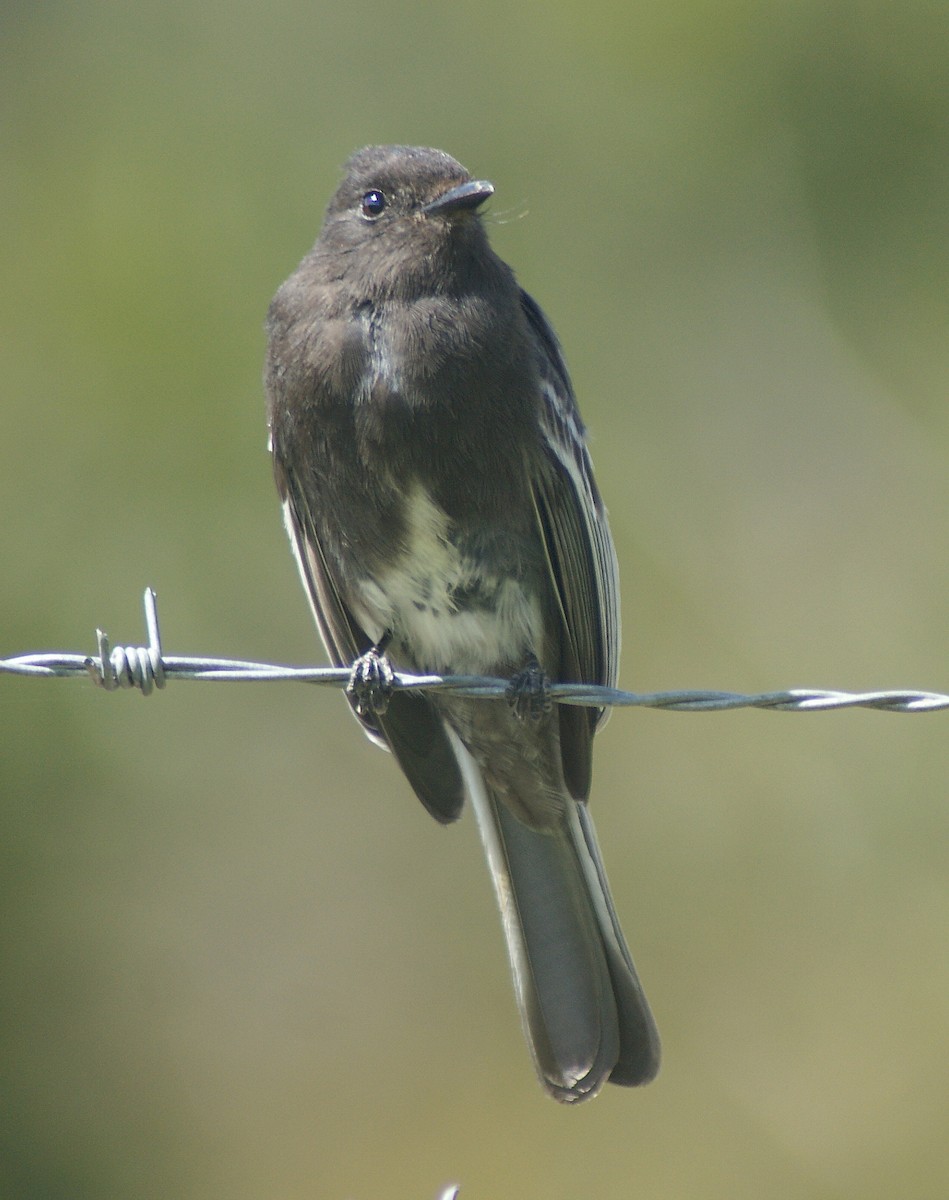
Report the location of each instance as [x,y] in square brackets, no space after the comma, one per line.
[146,668]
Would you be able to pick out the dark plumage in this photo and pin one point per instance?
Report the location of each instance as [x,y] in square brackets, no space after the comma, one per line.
[441,502]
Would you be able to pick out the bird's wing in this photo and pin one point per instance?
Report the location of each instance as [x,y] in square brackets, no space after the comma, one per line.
[410,727]
[580,554]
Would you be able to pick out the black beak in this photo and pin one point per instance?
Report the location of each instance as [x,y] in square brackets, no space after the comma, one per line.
[465,196]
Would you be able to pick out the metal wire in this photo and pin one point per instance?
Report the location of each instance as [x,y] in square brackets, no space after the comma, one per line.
[147,667]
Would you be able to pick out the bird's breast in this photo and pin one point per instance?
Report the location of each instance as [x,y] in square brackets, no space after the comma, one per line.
[453,600]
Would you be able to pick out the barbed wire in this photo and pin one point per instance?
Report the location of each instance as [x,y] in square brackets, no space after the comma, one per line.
[146,668]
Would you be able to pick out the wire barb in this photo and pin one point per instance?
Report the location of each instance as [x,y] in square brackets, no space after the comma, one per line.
[140,667]
[147,668]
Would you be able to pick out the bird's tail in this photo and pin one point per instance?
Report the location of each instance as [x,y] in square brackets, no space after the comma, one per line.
[583,1008]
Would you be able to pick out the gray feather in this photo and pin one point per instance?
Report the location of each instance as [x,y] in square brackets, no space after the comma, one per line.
[584,1013]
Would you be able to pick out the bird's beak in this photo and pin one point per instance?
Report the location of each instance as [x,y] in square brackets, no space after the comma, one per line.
[465,196]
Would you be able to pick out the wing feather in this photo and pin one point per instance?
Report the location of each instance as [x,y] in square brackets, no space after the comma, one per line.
[410,726]
[580,554]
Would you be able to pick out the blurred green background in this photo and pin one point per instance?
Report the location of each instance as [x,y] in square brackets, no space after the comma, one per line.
[239,960]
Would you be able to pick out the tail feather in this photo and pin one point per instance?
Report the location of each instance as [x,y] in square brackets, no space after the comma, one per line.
[640,1049]
[584,1012]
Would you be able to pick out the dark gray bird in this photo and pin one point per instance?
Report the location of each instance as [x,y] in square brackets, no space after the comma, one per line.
[440,499]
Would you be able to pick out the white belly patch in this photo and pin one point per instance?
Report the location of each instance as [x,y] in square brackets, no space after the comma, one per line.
[443,605]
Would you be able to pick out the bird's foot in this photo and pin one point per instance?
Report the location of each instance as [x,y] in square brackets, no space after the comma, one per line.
[528,693]
[370,683]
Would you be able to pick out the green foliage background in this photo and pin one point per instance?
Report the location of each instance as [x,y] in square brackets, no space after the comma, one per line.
[238,958]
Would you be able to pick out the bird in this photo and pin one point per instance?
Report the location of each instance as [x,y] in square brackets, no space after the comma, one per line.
[439,496]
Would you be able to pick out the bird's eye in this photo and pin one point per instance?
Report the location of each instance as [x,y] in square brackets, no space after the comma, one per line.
[373,203]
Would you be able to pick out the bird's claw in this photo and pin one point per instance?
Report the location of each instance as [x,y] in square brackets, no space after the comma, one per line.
[528,693]
[370,684]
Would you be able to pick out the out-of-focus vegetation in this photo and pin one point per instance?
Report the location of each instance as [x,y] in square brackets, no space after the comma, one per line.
[239,960]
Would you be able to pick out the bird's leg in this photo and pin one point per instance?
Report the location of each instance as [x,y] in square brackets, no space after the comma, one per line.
[528,693]
[370,683]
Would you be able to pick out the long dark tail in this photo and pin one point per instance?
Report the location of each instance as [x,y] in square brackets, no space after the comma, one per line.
[583,1008]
